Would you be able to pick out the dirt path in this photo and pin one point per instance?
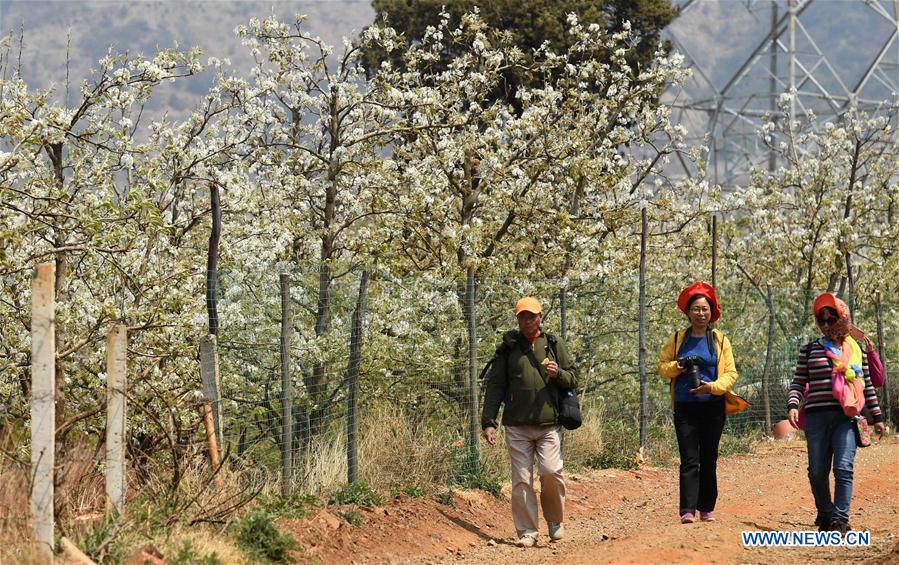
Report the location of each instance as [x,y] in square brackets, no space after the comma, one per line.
[626,517]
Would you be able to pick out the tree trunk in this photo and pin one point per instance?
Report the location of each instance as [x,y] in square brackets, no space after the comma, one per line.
[317,385]
[352,377]
[715,250]
[641,317]
[851,279]
[61,296]
[62,273]
[212,258]
[474,427]
[286,389]
[887,401]
[769,353]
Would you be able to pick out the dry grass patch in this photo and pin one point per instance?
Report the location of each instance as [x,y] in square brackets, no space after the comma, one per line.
[395,452]
[15,522]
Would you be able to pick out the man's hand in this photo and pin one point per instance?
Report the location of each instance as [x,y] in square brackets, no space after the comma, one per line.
[490,435]
[793,417]
[879,429]
[704,388]
[552,369]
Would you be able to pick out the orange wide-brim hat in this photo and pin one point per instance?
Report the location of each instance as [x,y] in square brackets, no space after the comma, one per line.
[828,300]
[702,289]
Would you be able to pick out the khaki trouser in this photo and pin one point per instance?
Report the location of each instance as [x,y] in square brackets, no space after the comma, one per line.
[523,442]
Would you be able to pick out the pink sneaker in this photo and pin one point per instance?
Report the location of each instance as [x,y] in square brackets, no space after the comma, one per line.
[706,516]
[687,518]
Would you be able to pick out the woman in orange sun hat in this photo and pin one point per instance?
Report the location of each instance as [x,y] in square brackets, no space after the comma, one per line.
[832,382]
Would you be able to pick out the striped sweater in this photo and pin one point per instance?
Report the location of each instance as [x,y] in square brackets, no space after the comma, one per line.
[814,368]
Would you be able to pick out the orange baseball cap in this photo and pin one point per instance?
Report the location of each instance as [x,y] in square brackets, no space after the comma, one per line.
[828,300]
[528,304]
[703,289]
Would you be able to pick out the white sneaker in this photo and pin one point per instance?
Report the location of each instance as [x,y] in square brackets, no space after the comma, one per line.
[556,531]
[527,540]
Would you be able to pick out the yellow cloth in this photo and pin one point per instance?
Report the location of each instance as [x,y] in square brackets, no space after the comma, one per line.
[726,369]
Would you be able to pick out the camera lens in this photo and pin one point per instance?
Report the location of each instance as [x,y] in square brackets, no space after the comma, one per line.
[694,380]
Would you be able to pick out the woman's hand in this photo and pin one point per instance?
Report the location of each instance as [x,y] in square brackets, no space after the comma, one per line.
[793,417]
[879,429]
[704,388]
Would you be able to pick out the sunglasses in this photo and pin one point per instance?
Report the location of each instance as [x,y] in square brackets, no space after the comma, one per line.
[828,321]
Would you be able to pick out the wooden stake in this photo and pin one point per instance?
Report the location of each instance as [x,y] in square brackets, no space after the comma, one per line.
[214,458]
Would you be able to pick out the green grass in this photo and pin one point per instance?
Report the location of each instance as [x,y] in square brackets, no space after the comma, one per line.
[737,444]
[358,493]
[287,507]
[470,474]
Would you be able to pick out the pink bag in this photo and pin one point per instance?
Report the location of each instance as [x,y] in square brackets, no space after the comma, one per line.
[850,394]
[875,368]
[875,365]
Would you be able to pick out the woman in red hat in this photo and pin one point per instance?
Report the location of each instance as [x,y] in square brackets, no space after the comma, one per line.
[699,362]
[833,382]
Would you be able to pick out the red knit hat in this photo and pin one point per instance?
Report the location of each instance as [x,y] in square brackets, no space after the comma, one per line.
[703,289]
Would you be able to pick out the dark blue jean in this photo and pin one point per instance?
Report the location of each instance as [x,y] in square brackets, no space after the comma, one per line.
[831,444]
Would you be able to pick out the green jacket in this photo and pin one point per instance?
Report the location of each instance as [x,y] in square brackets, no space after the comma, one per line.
[514,382]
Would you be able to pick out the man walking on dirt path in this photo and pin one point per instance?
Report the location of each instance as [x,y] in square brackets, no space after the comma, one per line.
[527,371]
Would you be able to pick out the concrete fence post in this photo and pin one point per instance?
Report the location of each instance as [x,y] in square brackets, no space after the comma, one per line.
[116,409]
[43,410]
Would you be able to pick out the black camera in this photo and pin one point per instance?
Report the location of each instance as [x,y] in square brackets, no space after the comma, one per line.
[691,364]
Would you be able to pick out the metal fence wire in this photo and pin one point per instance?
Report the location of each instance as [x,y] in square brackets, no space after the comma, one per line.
[412,375]
[367,377]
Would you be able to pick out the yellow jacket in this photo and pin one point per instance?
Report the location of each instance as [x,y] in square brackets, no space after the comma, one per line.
[726,369]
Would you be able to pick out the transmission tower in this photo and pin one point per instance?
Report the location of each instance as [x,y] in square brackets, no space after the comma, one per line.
[835,55]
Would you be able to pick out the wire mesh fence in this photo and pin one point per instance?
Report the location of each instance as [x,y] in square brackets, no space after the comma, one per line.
[414,371]
[309,402]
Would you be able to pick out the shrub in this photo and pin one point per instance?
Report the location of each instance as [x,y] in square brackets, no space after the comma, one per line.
[104,540]
[413,491]
[188,555]
[261,541]
[445,497]
[352,517]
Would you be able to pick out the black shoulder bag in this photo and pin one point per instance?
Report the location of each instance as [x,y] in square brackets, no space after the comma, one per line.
[567,404]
